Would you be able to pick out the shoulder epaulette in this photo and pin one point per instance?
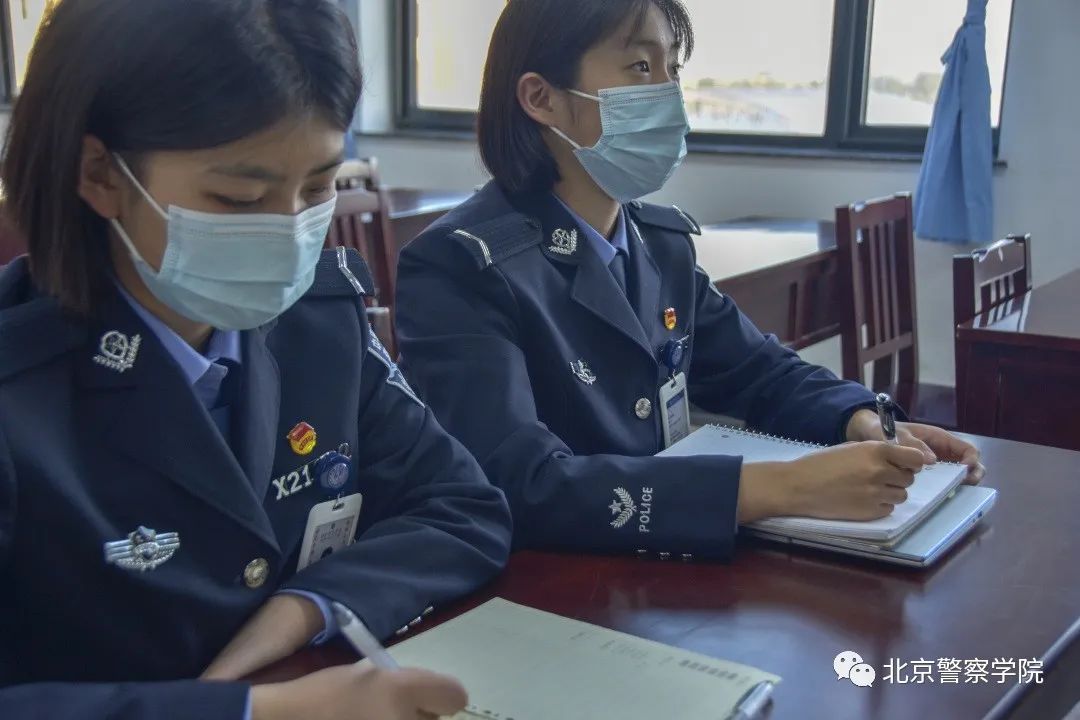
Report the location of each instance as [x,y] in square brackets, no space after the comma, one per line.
[342,271]
[669,218]
[499,238]
[34,333]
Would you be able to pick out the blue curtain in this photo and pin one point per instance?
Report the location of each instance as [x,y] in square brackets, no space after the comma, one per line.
[954,200]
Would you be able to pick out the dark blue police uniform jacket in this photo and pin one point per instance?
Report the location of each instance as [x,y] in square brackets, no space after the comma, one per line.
[502,307]
[89,453]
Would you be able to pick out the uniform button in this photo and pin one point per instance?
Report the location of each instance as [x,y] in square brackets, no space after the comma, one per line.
[416,622]
[665,556]
[643,409]
[256,572]
[430,609]
[402,631]
[687,557]
[642,553]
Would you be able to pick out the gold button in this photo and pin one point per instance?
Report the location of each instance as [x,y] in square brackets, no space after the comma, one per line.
[643,409]
[256,572]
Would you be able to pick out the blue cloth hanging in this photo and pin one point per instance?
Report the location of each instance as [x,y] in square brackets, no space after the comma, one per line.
[954,201]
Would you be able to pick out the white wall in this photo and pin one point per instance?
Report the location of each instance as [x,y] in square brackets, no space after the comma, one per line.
[1036,193]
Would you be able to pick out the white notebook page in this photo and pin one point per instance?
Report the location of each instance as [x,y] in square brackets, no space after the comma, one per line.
[518,663]
[931,486]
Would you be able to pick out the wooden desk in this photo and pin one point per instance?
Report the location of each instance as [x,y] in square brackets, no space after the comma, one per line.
[1021,367]
[1007,592]
[411,211]
[782,274]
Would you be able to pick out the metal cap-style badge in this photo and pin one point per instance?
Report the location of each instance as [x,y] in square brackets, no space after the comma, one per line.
[302,438]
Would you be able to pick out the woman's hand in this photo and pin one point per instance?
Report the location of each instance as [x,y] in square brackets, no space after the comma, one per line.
[360,692]
[934,442]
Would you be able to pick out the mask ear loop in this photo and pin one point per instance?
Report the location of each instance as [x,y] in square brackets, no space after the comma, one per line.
[131,176]
[563,135]
[120,231]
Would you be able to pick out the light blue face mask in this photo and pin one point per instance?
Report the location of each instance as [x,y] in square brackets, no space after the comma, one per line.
[643,140]
[233,272]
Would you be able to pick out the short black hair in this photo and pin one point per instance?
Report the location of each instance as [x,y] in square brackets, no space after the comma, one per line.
[549,37]
[151,75]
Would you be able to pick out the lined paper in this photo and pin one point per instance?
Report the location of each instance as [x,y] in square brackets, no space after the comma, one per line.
[518,663]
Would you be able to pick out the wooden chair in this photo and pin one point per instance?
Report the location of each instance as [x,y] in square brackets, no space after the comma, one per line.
[876,245]
[361,173]
[361,221]
[986,280]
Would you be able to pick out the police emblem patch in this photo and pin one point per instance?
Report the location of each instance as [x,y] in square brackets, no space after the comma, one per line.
[563,242]
[583,372]
[145,549]
[393,376]
[117,351]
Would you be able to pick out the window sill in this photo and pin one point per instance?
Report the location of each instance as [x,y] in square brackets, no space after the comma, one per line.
[696,147]
[845,154]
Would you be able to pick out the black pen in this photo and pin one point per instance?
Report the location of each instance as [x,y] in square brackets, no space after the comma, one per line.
[886,411]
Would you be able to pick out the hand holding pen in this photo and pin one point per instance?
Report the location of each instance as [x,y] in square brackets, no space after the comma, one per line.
[419,693]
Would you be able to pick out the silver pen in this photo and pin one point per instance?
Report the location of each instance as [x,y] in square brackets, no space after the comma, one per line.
[361,638]
[886,411]
[753,702]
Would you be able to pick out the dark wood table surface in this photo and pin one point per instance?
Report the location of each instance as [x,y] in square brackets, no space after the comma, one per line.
[782,274]
[1022,359]
[413,202]
[411,212]
[1010,590]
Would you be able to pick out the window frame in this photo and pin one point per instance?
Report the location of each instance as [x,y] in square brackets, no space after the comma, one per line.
[845,129]
[7,50]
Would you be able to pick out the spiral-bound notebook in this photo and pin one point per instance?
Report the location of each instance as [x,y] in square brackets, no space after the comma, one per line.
[518,663]
[931,487]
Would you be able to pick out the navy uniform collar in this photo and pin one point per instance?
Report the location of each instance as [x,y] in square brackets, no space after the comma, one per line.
[148,412]
[606,248]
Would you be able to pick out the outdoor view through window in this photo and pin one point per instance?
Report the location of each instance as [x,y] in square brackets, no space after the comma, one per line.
[759,67]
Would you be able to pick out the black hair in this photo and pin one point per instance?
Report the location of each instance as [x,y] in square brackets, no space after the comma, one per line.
[549,37]
[151,75]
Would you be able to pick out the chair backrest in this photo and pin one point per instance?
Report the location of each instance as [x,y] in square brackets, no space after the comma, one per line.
[361,173]
[876,245]
[986,278]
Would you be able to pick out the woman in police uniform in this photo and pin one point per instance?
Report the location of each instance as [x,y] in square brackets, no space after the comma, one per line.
[195,419]
[552,320]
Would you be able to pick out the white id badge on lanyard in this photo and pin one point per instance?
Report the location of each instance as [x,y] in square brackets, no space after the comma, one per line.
[674,410]
[331,526]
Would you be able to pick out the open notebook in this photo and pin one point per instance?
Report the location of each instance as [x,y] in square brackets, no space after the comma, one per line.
[932,486]
[518,663]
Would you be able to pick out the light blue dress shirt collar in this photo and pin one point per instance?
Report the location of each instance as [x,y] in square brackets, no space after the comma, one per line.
[223,344]
[606,249]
